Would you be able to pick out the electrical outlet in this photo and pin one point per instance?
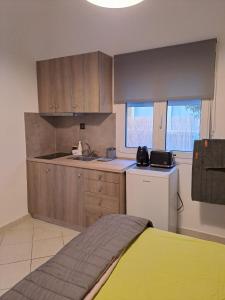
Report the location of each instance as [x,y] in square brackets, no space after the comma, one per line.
[82,126]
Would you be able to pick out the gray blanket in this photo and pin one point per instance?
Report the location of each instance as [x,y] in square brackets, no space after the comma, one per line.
[75,269]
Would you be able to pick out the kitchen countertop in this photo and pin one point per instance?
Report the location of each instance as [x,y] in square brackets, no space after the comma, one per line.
[116,165]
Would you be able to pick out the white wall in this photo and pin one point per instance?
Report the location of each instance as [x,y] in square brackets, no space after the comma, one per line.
[17,95]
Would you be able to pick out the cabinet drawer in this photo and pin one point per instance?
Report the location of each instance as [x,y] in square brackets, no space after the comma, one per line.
[101,202]
[102,176]
[102,188]
[92,214]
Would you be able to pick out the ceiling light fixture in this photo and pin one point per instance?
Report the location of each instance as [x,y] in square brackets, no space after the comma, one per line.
[115,3]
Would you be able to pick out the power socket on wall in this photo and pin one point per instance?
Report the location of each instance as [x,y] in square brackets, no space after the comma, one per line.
[82,126]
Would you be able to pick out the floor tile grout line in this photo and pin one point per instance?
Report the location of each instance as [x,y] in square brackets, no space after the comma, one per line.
[62,238]
[42,257]
[14,262]
[31,255]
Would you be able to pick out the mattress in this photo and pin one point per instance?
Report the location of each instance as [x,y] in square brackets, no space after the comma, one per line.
[166,266]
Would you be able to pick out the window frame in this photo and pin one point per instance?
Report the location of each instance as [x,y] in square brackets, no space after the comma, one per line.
[159,128]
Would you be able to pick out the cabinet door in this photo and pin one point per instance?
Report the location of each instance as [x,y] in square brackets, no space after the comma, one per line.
[45,86]
[85,82]
[45,203]
[105,82]
[40,178]
[78,83]
[54,85]
[91,79]
[68,205]
[93,213]
[33,186]
[61,83]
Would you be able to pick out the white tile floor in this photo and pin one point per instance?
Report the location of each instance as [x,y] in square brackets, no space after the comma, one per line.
[27,245]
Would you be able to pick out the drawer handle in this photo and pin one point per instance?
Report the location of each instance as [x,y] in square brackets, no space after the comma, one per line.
[147,181]
[47,170]
[100,177]
[79,175]
[100,189]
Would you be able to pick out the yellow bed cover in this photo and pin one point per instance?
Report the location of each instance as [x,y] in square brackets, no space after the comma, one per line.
[167,266]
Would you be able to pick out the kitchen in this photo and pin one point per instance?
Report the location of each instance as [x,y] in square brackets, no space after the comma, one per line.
[74,190]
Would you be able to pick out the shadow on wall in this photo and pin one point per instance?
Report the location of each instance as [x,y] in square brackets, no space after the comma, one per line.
[212,214]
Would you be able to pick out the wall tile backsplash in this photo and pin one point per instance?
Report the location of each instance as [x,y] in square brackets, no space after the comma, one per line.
[50,134]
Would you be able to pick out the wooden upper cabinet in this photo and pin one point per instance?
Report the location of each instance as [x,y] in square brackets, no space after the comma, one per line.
[79,83]
[44,83]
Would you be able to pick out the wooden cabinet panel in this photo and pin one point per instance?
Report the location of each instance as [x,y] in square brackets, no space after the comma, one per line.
[44,84]
[105,82]
[102,176]
[92,214]
[68,203]
[55,192]
[61,83]
[73,196]
[79,83]
[101,201]
[41,189]
[104,188]
[54,85]
[91,80]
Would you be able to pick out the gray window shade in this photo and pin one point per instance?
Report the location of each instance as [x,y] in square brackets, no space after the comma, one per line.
[174,72]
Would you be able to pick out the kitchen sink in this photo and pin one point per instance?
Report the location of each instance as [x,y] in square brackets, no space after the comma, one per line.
[83,158]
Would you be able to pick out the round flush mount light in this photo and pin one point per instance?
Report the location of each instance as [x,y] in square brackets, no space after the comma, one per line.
[115,3]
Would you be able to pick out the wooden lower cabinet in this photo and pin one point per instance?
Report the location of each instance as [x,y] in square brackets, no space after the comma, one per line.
[71,196]
[104,193]
[55,193]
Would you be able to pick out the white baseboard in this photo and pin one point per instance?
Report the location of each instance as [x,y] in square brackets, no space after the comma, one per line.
[18,221]
[202,235]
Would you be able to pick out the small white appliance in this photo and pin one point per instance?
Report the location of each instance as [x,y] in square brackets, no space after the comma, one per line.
[152,194]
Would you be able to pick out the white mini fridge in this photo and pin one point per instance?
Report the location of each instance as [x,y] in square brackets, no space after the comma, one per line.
[152,194]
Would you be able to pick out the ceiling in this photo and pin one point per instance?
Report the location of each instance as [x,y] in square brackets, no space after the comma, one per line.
[51,28]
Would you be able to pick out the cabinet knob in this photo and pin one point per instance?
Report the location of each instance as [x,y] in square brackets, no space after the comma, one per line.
[100,177]
[79,175]
[100,189]
[47,170]
[56,106]
[74,105]
[51,106]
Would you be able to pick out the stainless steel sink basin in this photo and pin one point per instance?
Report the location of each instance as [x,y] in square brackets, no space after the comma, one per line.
[83,158]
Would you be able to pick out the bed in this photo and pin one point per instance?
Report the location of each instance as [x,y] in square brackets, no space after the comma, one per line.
[122,257]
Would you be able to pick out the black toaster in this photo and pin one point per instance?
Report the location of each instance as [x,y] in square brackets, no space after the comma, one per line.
[162,159]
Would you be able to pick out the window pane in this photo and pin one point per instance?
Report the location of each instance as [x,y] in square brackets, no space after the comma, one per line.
[139,124]
[183,124]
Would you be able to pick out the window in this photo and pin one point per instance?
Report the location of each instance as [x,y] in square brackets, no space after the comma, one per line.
[139,124]
[183,124]
[171,125]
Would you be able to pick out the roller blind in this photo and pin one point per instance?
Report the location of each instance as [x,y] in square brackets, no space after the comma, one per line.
[174,72]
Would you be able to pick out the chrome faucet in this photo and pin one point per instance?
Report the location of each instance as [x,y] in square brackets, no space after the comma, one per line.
[89,151]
